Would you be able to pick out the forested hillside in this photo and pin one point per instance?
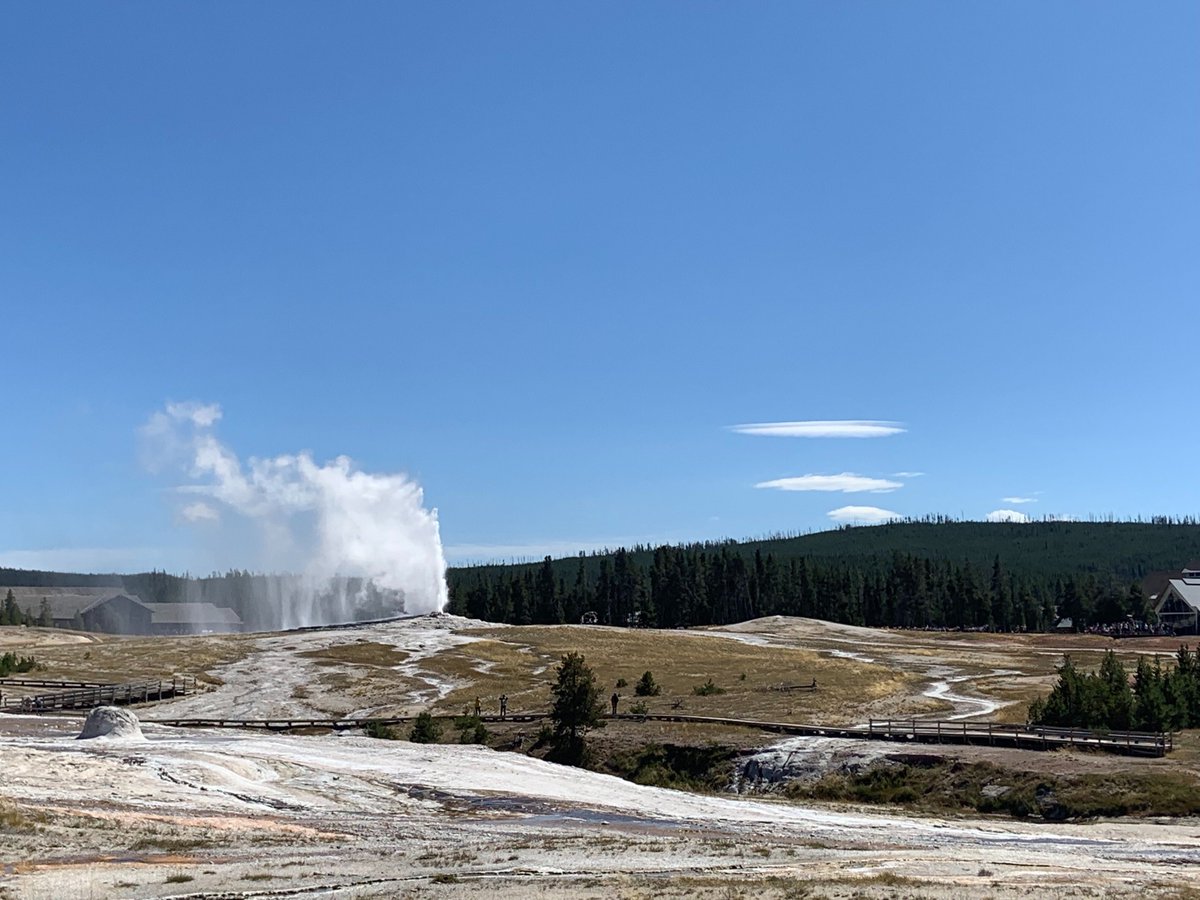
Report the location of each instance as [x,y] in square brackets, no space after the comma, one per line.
[914,574]
[933,573]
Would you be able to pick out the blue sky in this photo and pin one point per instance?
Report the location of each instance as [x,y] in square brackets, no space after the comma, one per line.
[542,257]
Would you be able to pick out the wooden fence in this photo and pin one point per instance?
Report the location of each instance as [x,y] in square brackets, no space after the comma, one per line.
[1030,737]
[996,734]
[93,695]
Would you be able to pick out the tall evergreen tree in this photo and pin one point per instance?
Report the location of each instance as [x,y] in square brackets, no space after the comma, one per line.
[576,709]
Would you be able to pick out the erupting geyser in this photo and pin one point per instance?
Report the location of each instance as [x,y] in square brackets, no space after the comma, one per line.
[359,544]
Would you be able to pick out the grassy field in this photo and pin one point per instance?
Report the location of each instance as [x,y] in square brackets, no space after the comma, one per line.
[520,662]
[860,673]
[77,656]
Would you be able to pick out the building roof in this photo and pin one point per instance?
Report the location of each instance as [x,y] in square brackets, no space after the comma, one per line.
[63,605]
[193,614]
[1188,590]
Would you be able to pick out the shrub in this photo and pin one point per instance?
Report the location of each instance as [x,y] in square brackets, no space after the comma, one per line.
[471,730]
[707,689]
[376,729]
[639,708]
[621,682]
[425,730]
[646,686]
[10,663]
[544,736]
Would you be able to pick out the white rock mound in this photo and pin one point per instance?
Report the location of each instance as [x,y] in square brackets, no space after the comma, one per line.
[111,722]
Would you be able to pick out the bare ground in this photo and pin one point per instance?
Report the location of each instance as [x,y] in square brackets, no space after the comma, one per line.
[193,814]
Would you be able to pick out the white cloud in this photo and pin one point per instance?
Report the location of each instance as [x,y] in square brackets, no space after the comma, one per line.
[1006,515]
[846,482]
[843,428]
[202,415]
[907,474]
[869,515]
[1019,499]
[199,512]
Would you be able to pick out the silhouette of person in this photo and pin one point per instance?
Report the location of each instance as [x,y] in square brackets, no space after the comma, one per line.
[503,705]
[615,697]
[478,708]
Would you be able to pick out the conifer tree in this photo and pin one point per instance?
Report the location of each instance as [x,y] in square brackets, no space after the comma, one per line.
[577,709]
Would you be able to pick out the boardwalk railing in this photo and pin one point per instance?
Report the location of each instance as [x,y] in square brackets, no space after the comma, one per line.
[93,695]
[1037,737]
[42,682]
[1130,743]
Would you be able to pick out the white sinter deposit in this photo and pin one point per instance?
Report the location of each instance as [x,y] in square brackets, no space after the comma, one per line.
[111,722]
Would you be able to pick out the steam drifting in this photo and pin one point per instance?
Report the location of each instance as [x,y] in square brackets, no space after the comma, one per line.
[358,543]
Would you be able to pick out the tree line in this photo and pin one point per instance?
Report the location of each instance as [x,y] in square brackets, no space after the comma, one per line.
[1160,698]
[720,584]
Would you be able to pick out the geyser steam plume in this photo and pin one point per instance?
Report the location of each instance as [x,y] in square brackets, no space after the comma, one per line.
[358,543]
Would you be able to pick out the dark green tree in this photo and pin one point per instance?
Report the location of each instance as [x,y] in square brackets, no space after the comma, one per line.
[577,709]
[547,602]
[647,686]
[12,612]
[1150,712]
[425,730]
[1118,698]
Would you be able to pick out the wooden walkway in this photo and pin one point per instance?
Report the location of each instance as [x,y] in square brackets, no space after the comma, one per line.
[73,695]
[993,734]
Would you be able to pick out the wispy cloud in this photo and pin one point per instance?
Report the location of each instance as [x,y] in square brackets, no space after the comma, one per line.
[200,512]
[1007,515]
[846,482]
[907,474]
[841,428]
[867,515]
[1019,499]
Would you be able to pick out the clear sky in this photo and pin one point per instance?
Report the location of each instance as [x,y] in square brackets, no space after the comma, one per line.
[543,256]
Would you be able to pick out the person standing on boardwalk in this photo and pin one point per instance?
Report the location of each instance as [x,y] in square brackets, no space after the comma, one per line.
[503,705]
[478,708]
[615,699]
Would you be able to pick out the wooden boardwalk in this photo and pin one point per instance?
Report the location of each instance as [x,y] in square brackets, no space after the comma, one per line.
[74,695]
[993,734]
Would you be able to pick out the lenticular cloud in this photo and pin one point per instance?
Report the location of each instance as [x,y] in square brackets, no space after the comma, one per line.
[331,523]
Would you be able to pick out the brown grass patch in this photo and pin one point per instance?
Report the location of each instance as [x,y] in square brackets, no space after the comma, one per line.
[358,653]
[117,658]
[512,657]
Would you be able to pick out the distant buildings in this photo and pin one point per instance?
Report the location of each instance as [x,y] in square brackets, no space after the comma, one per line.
[1178,604]
[116,612]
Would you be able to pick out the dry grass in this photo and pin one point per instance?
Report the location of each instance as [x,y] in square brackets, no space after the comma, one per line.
[115,658]
[16,819]
[1027,661]
[520,662]
[359,653]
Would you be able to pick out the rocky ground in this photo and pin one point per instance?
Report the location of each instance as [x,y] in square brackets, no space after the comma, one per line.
[178,813]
